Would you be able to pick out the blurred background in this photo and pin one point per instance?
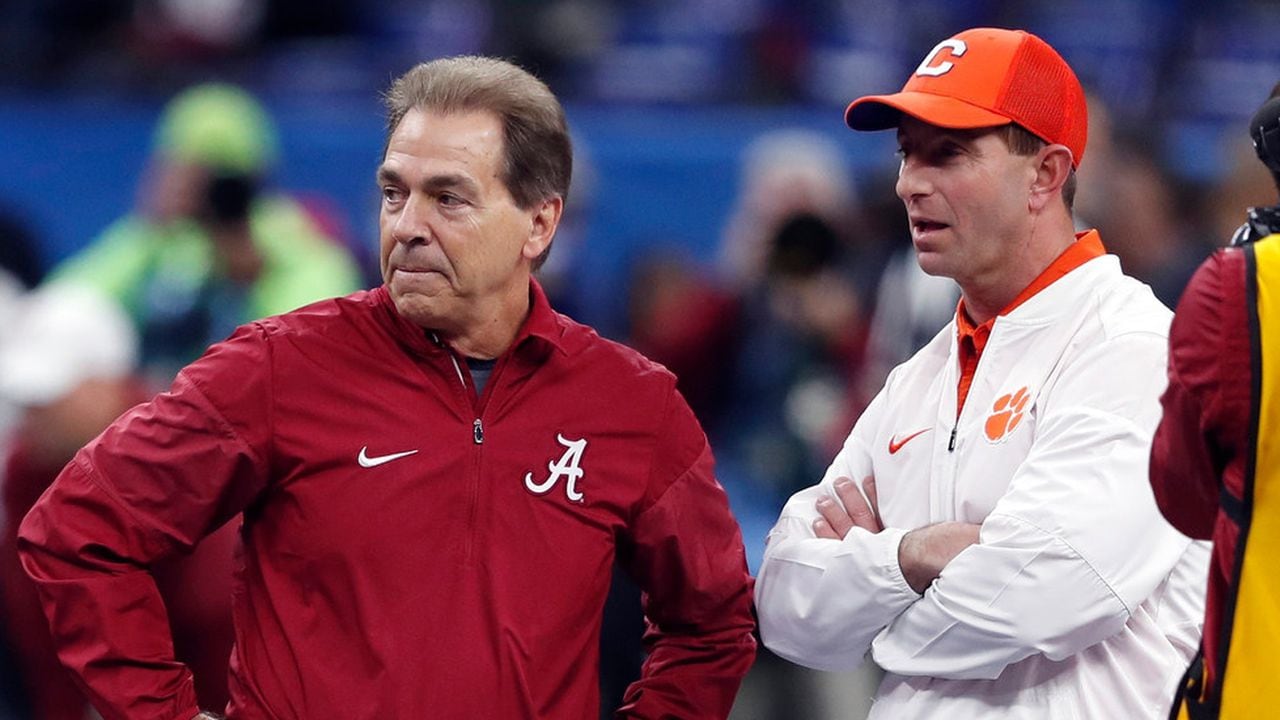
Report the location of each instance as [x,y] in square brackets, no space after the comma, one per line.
[722,220]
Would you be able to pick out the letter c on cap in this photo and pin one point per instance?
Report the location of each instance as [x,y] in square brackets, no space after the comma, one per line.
[957,48]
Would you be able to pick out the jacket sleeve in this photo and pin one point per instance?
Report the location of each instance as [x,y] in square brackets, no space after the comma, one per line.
[155,482]
[685,551]
[1184,472]
[821,601]
[1072,548]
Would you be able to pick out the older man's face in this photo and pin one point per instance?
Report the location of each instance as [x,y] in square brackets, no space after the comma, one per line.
[453,241]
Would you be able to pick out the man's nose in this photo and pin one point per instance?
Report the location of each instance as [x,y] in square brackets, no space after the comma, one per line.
[911,181]
[413,223]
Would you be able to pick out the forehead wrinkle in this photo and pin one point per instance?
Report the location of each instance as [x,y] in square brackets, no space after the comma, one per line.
[434,151]
[433,182]
[445,181]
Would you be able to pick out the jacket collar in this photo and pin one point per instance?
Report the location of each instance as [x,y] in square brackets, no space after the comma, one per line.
[543,323]
[1087,246]
[1068,293]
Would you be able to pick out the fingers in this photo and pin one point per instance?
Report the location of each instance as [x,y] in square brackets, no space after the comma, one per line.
[833,516]
[836,521]
[860,513]
[869,487]
[822,529]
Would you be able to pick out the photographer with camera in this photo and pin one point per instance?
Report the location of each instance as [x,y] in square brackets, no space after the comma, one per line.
[207,248]
[1214,469]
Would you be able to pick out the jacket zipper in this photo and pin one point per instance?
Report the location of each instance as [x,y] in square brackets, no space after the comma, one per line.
[477,426]
[477,438]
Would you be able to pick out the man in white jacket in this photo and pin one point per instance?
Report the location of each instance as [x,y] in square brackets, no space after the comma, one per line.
[987,533]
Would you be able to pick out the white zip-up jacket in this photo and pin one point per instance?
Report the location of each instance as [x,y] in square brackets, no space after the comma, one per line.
[1079,601]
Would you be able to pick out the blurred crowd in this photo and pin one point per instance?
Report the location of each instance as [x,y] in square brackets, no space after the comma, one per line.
[1173,57]
[778,338]
[209,245]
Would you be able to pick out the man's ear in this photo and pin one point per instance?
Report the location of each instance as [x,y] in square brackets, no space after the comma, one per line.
[542,227]
[1052,168]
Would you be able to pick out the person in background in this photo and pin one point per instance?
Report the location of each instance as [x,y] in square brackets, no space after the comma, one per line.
[437,476]
[910,305]
[786,174]
[797,270]
[208,247]
[20,270]
[67,360]
[987,533]
[1143,208]
[1214,467]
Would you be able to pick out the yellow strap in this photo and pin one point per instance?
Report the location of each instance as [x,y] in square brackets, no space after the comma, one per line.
[1253,663]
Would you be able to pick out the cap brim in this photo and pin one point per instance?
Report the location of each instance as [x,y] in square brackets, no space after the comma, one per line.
[882,112]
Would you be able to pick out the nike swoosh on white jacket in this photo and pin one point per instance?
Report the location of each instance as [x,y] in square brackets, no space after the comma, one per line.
[1080,601]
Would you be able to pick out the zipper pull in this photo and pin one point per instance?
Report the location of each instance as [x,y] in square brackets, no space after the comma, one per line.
[951,446]
[477,432]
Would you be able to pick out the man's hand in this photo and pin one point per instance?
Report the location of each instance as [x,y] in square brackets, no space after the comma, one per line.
[836,521]
[924,551]
[207,716]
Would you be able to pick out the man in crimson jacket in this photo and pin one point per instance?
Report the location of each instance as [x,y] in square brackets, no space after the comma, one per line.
[1214,463]
[436,475]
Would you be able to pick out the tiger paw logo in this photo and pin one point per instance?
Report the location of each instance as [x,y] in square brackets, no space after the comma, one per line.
[1006,413]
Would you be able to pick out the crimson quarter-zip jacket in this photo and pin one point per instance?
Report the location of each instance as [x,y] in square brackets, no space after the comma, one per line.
[410,550]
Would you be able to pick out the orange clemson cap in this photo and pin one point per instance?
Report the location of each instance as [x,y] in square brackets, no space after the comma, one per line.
[987,77]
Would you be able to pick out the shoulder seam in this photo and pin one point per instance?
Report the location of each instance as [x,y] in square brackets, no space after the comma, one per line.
[669,381]
[90,472]
[228,431]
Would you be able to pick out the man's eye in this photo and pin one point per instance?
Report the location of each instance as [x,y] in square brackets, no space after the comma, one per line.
[450,200]
[391,194]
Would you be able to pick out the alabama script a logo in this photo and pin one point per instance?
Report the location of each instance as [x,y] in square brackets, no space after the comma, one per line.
[566,467]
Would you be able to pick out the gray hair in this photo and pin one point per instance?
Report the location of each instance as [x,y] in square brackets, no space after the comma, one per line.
[538,155]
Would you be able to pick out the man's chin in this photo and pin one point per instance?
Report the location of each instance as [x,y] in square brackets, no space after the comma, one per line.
[932,263]
[425,310]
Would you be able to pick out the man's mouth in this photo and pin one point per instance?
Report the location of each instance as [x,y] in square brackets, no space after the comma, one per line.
[924,226]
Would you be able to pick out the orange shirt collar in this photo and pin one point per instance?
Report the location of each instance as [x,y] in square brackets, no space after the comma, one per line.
[1088,245]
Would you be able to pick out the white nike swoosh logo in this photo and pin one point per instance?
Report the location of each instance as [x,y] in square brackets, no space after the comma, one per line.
[366,461]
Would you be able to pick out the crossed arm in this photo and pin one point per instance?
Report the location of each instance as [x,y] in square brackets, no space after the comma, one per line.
[1060,563]
[922,553]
